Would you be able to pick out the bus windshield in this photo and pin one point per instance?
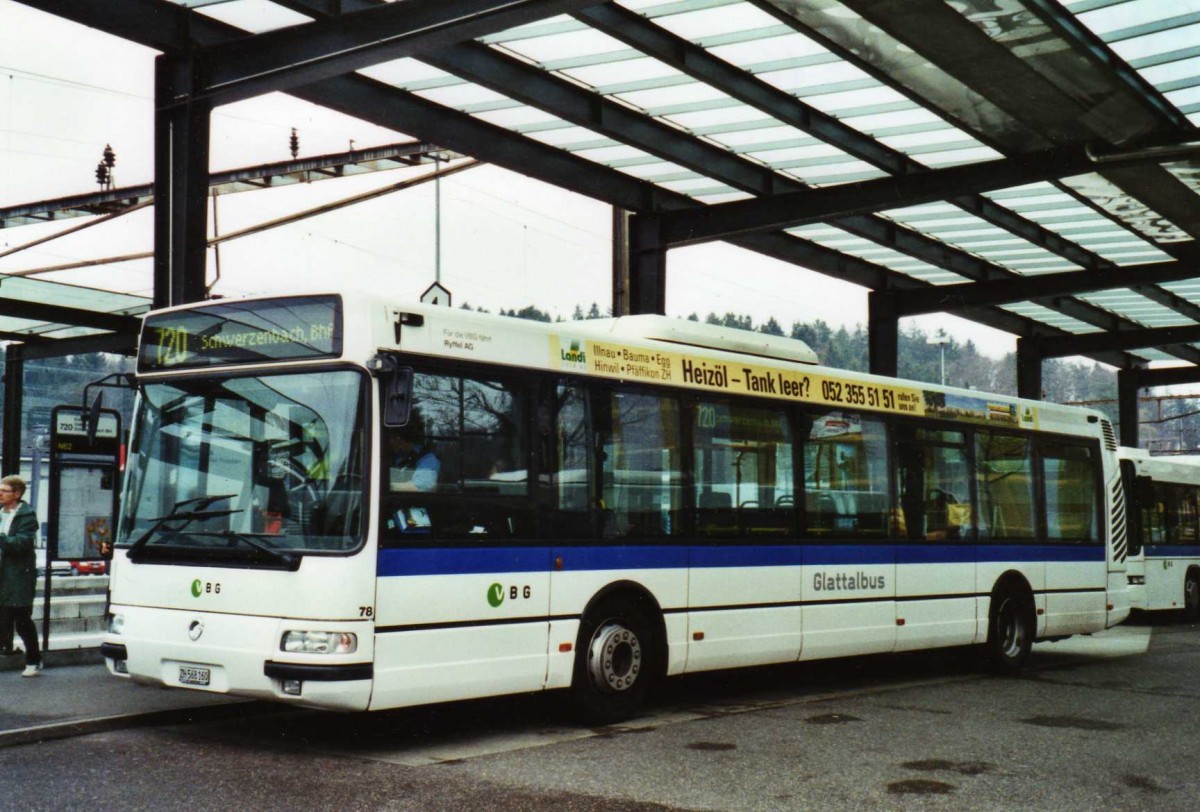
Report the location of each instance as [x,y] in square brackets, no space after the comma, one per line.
[247,468]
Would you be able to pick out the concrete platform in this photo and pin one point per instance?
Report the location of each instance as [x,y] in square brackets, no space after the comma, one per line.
[75,695]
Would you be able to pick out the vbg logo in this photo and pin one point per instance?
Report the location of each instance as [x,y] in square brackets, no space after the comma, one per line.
[201,587]
[495,595]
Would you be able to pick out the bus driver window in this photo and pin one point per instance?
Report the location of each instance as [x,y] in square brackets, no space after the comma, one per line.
[414,464]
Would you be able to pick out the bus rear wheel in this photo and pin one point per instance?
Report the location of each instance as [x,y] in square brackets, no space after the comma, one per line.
[615,661]
[1011,630]
[1191,596]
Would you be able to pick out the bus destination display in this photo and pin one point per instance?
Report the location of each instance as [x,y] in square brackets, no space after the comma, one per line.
[243,333]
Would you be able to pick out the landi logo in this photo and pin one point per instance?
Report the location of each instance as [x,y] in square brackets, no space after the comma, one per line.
[574,356]
[495,595]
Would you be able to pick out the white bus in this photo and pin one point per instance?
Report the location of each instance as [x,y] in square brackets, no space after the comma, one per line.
[348,503]
[1164,536]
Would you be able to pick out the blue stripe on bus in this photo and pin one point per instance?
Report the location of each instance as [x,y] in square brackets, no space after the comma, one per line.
[476,560]
[1172,551]
[462,560]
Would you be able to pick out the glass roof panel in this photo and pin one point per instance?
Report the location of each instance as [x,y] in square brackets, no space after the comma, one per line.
[764,138]
[572,44]
[1057,211]
[1127,209]
[789,47]
[1188,173]
[615,74]
[672,98]
[254,15]
[464,96]
[405,73]
[697,25]
[42,291]
[1161,42]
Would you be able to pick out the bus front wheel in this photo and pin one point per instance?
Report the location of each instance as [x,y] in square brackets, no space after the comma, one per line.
[614,661]
[1011,630]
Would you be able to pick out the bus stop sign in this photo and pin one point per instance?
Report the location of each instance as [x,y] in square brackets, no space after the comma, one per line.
[435,294]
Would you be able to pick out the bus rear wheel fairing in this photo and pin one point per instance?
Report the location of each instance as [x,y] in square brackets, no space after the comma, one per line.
[616,660]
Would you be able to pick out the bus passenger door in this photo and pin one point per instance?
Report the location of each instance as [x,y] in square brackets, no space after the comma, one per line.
[935,556]
[848,573]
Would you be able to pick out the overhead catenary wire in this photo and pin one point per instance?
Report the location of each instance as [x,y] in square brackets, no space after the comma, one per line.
[261,227]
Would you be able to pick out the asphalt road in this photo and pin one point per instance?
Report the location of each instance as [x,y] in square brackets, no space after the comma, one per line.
[1102,723]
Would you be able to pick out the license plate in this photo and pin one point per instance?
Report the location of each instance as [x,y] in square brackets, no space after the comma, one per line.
[189,675]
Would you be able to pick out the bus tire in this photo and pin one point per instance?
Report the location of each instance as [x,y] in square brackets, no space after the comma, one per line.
[1012,625]
[615,660]
[1191,595]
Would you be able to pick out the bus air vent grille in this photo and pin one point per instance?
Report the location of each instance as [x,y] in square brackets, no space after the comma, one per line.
[1110,436]
[1120,534]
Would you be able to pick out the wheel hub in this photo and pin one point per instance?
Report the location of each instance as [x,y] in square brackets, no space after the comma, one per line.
[614,658]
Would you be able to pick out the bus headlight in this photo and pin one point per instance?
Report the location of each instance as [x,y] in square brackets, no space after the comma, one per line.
[320,642]
[116,624]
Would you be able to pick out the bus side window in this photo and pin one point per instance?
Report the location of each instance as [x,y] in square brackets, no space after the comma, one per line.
[1071,494]
[742,463]
[568,461]
[1004,478]
[846,476]
[932,486]
[459,469]
[641,477]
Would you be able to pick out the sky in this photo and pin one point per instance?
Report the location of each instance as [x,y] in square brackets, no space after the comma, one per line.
[507,241]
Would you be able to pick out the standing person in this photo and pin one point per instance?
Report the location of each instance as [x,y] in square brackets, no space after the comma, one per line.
[18,570]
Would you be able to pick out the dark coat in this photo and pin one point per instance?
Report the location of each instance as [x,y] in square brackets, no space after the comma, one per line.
[18,561]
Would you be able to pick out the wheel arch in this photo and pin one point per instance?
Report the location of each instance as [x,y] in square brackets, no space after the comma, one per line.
[639,594]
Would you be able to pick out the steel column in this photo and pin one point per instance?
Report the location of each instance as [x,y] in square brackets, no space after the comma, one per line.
[647,291]
[1029,370]
[621,260]
[181,137]
[1128,386]
[14,408]
[883,334]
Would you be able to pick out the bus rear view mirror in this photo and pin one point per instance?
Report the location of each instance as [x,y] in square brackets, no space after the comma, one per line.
[1143,491]
[396,382]
[91,419]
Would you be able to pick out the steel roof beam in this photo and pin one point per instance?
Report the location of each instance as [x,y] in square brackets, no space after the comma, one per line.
[1070,30]
[1140,378]
[950,298]
[1020,87]
[793,209]
[118,343]
[76,316]
[298,55]
[1059,346]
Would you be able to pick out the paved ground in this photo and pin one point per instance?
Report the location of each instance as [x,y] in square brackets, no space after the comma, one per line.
[1097,723]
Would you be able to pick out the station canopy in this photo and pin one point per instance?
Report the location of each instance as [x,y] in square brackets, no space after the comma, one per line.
[1032,165]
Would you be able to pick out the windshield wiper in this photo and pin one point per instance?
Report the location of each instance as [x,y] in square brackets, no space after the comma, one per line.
[200,502]
[185,516]
[287,559]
